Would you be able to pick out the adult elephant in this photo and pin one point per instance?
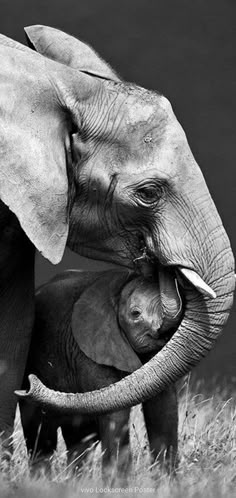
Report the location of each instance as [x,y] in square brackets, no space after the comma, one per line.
[144,199]
[105,164]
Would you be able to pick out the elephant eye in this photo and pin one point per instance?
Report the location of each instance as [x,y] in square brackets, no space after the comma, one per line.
[135,313]
[148,194]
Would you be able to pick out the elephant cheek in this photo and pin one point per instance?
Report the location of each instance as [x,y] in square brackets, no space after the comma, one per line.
[136,336]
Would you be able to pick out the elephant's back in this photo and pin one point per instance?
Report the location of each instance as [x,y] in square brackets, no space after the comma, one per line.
[63,290]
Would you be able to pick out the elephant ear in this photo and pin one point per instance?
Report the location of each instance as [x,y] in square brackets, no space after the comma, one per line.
[67,50]
[95,326]
[33,179]
[35,126]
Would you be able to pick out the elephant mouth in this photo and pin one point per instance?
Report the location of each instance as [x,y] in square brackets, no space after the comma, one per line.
[147,265]
[147,348]
[123,251]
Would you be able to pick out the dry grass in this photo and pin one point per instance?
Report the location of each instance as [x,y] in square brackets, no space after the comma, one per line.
[207,459]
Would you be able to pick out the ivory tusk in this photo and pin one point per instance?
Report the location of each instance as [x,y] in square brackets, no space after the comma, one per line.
[197,281]
[21,393]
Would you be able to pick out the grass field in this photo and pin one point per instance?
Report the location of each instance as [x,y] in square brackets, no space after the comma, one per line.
[207,466]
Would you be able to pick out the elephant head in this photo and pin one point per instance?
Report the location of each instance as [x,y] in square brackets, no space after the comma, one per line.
[137,196]
[118,306]
[148,310]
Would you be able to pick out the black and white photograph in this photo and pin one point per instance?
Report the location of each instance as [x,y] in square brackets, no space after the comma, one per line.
[117,247]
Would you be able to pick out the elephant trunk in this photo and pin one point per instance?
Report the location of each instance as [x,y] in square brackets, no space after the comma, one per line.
[203,321]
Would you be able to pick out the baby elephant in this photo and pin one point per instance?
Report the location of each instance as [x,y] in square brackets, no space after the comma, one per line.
[92,329]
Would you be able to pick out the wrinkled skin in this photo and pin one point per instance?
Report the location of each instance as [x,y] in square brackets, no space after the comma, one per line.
[103,165]
[56,356]
[145,317]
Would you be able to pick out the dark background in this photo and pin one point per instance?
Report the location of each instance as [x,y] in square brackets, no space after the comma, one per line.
[185,49]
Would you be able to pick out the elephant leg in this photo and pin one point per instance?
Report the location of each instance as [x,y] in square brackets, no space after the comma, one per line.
[114,435]
[79,433]
[161,418]
[16,315]
[40,433]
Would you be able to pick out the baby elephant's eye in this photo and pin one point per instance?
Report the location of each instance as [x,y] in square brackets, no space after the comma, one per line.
[135,313]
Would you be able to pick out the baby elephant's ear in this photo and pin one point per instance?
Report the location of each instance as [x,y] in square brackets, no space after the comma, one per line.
[66,49]
[95,326]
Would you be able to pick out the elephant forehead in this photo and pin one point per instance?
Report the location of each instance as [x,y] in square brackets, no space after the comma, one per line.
[157,143]
[143,296]
[140,293]
[134,111]
[165,157]
[140,113]
[150,110]
[146,120]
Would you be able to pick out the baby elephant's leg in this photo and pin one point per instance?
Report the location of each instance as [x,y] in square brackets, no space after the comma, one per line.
[79,433]
[161,417]
[114,435]
[40,435]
